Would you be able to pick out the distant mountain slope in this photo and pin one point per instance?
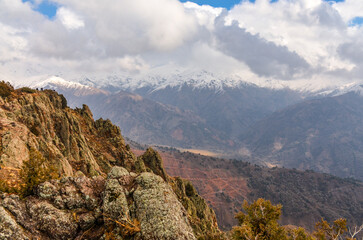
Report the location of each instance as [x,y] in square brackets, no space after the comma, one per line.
[151,122]
[225,107]
[231,110]
[142,119]
[306,196]
[324,134]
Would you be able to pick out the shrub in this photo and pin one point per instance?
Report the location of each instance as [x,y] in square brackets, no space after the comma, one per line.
[27,90]
[259,221]
[36,171]
[325,231]
[5,89]
[63,101]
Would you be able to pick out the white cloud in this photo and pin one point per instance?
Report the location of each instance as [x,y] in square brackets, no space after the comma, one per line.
[11,43]
[205,14]
[313,29]
[69,19]
[349,9]
[136,26]
[285,40]
[132,64]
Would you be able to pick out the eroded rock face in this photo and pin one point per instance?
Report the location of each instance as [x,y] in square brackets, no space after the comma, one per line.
[125,205]
[60,209]
[71,139]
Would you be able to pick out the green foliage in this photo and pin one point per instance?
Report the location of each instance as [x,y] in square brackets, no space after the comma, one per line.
[259,221]
[63,101]
[36,171]
[27,90]
[189,189]
[5,89]
[154,162]
[325,231]
[299,234]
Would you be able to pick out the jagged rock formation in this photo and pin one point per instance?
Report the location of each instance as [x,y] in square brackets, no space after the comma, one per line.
[105,192]
[71,139]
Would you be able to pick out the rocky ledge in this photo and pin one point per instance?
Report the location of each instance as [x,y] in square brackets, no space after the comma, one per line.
[126,205]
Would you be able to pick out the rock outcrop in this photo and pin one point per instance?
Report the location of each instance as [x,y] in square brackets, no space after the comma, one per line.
[104,191]
[69,138]
[125,205]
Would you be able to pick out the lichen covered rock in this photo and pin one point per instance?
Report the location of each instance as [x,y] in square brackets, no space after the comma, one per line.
[160,213]
[9,228]
[56,223]
[126,205]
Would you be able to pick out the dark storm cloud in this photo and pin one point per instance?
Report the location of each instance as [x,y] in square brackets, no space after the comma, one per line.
[263,57]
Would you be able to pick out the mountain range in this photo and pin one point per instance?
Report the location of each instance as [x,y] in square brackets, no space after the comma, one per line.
[77,178]
[273,126]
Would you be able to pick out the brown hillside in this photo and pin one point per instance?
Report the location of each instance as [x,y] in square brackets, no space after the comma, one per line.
[306,196]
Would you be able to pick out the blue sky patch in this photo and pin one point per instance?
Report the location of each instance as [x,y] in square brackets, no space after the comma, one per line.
[46,8]
[216,3]
[230,3]
[49,9]
[357,21]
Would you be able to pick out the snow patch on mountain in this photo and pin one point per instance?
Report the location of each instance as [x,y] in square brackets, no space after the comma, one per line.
[217,82]
[352,87]
[59,84]
[175,78]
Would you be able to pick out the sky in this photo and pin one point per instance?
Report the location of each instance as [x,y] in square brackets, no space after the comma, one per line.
[295,41]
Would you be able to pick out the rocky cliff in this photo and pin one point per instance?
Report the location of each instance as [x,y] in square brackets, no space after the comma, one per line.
[100,189]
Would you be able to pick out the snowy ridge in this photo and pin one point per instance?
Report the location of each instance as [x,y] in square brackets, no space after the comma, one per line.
[204,79]
[353,87]
[77,89]
[199,79]
[196,79]
[57,82]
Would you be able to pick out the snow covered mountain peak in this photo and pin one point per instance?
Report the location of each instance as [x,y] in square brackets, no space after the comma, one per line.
[58,83]
[195,79]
